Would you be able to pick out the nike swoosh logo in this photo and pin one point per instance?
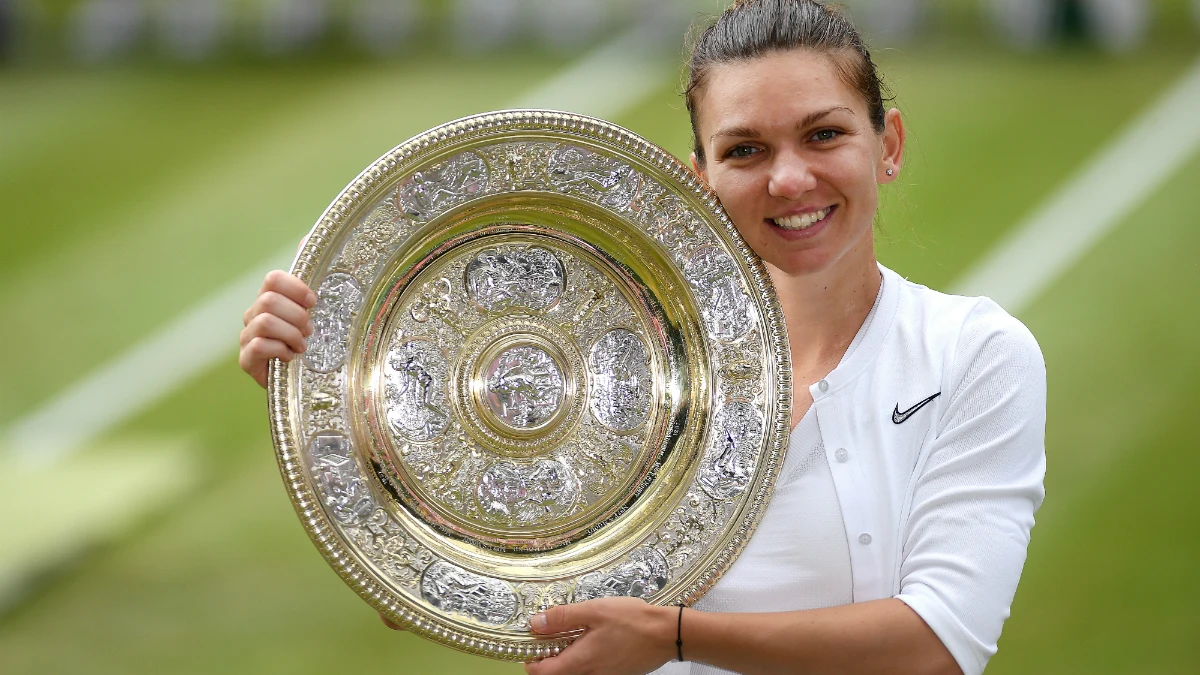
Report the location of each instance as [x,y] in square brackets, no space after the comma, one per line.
[901,417]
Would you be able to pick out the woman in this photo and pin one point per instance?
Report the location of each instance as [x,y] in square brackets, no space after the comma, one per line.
[901,517]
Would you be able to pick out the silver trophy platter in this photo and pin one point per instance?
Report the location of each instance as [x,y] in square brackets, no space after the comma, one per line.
[544,369]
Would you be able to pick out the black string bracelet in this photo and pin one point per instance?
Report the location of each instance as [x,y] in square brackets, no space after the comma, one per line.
[679,634]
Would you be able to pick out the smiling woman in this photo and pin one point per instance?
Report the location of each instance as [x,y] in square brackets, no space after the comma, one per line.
[894,540]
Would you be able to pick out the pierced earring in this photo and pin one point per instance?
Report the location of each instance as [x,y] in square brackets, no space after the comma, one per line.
[891,172]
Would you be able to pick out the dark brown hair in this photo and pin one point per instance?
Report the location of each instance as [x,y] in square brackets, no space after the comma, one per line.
[753,28]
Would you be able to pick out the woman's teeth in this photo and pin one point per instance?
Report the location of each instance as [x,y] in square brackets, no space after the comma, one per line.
[802,222]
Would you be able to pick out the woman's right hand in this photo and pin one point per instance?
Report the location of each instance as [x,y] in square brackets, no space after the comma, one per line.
[276,325]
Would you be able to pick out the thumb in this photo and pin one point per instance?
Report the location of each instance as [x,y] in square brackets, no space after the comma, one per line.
[558,619]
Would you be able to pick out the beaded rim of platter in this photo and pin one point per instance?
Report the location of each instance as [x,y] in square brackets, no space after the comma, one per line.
[375,253]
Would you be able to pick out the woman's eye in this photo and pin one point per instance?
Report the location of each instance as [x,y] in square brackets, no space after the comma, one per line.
[826,135]
[742,151]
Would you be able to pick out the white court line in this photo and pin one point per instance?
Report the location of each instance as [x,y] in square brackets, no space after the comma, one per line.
[148,372]
[1033,255]
[605,83]
[618,76]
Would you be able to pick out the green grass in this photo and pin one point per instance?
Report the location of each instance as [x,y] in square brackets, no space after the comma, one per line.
[130,195]
[1107,586]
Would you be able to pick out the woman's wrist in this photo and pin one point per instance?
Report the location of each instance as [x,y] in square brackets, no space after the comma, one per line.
[666,632]
[679,634]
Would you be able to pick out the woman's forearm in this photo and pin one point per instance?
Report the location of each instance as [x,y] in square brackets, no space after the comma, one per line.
[883,636]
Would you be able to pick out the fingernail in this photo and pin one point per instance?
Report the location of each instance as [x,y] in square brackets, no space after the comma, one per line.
[538,622]
[312,298]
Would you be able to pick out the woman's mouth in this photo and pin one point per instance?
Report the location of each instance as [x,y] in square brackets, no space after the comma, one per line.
[805,220]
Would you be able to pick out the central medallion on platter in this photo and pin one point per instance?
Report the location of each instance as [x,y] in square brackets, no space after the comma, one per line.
[523,387]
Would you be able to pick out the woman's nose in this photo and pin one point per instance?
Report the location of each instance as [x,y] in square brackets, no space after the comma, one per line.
[791,176]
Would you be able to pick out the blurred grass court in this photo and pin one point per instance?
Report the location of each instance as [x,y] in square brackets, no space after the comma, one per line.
[133,190]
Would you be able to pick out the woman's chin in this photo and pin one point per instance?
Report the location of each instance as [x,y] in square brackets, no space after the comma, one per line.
[798,265]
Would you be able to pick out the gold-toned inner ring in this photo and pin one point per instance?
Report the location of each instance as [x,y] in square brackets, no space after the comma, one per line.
[645,279]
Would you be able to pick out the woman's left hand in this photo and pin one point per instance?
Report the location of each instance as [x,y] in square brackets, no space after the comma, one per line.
[622,636]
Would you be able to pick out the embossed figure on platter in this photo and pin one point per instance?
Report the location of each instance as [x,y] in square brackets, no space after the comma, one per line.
[643,575]
[339,298]
[416,380]
[380,230]
[728,465]
[528,495]
[620,368]
[437,188]
[542,371]
[346,494]
[517,166]
[580,171]
[455,590]
[524,387]
[725,306]
[531,278]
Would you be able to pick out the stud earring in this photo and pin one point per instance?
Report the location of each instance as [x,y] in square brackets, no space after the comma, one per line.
[891,172]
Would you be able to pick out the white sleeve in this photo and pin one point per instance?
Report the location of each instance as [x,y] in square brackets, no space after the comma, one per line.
[976,493]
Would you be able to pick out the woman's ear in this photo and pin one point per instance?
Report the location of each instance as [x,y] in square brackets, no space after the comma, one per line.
[700,169]
[893,147]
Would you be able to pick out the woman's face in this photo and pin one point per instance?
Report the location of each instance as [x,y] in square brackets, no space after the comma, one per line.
[791,152]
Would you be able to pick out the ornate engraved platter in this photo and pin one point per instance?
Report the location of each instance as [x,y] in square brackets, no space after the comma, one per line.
[545,369]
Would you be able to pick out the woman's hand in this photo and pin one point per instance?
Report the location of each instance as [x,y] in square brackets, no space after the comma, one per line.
[622,636]
[276,324]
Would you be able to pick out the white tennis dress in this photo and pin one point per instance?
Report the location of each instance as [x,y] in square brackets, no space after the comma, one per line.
[915,475]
